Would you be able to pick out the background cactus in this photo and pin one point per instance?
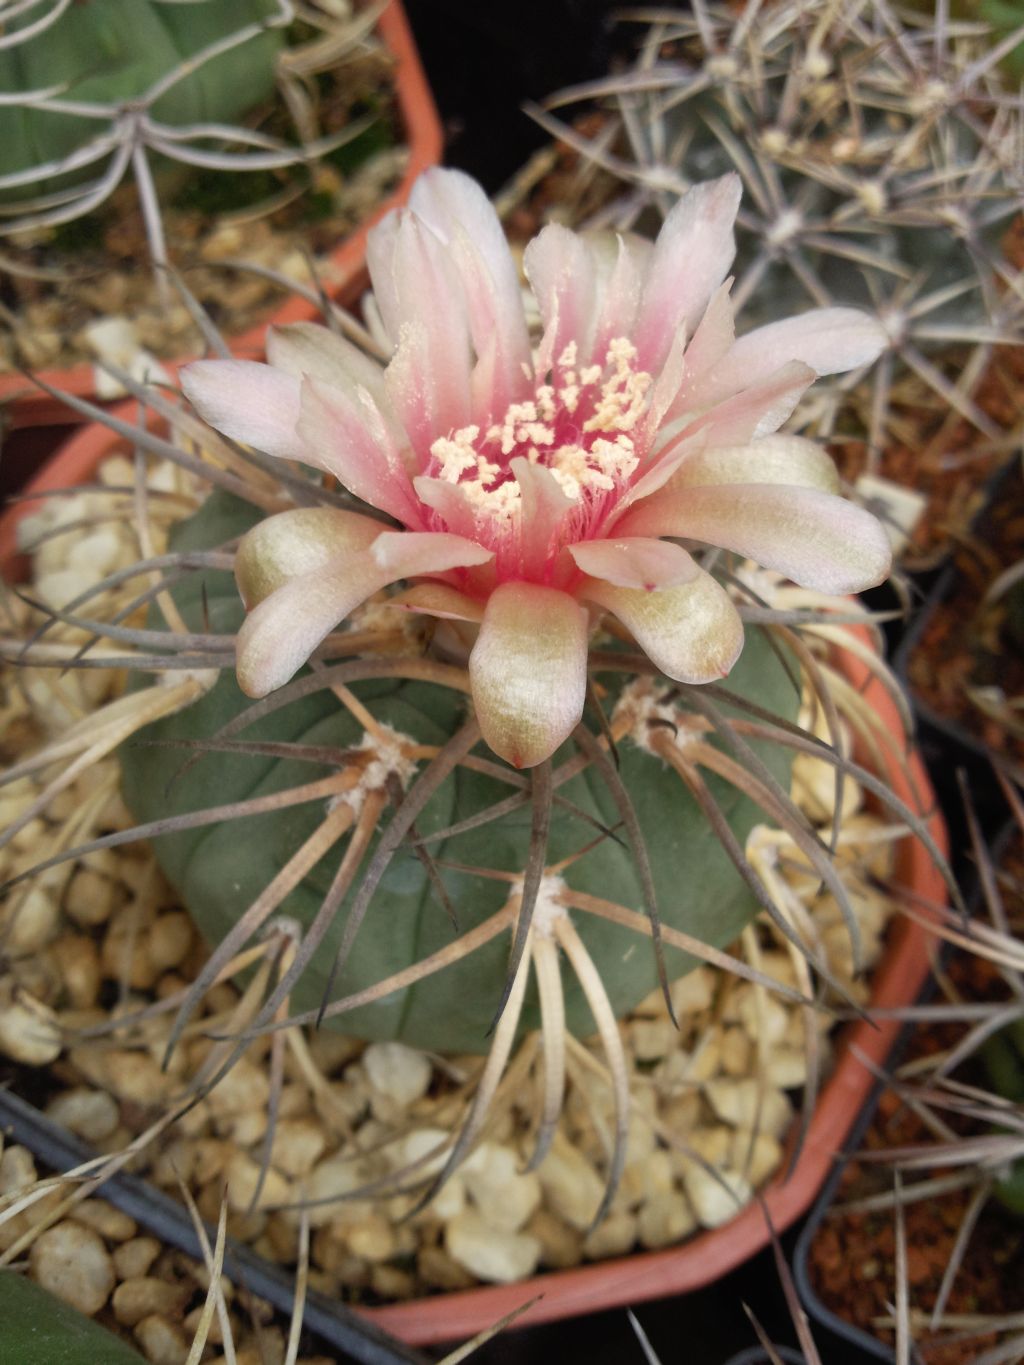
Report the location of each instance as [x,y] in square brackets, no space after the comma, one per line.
[90,55]
[881,159]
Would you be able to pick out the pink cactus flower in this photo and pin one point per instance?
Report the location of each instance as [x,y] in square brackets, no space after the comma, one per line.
[534,489]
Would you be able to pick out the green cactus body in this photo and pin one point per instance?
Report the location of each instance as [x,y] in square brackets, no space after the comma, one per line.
[219,871]
[112,51]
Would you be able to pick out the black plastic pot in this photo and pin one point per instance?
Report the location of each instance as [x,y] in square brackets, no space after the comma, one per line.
[336,1325]
[948,747]
[827,1323]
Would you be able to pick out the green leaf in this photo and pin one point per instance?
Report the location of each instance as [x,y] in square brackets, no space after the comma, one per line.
[219,871]
[39,1329]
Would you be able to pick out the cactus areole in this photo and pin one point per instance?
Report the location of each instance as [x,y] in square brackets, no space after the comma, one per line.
[535,493]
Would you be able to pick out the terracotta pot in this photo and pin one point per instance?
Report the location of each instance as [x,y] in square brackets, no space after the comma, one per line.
[26,405]
[897,979]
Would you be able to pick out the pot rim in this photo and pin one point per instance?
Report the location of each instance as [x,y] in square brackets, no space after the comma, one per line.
[897,979]
[26,405]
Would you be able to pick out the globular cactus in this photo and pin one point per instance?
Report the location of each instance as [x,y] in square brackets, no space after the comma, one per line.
[881,156]
[535,730]
[89,58]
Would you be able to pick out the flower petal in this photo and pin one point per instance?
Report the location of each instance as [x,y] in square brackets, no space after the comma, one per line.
[757,410]
[691,259]
[406,554]
[622,260]
[248,401]
[528,671]
[449,501]
[692,632]
[297,542]
[829,340]
[346,435]
[563,275]
[816,539]
[308,349]
[544,508]
[635,562]
[456,209]
[772,459]
[279,635]
[429,389]
[438,599]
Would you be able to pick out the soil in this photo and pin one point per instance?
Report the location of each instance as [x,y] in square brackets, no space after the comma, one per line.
[55,283]
[852,1260]
[967,644]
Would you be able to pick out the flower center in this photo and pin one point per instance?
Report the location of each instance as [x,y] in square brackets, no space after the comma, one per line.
[580,425]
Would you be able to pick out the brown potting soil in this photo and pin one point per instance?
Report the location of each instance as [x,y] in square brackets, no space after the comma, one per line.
[967,644]
[853,1257]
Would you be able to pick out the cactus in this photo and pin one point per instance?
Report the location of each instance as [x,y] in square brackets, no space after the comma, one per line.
[552,742]
[882,159]
[89,100]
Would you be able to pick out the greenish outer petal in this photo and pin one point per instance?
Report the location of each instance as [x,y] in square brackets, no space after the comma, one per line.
[288,544]
[219,871]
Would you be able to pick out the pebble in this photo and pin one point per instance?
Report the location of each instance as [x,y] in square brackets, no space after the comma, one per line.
[138,1298]
[132,1259]
[28,1030]
[298,1146]
[715,1199]
[32,921]
[71,1261]
[571,1185]
[92,1114]
[397,1071]
[613,1236]
[496,1257]
[504,1197]
[243,1180]
[664,1220]
[78,962]
[163,1342]
[109,1222]
[745,1103]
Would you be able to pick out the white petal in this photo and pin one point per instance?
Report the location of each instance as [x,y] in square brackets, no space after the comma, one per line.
[773,459]
[249,402]
[279,635]
[818,540]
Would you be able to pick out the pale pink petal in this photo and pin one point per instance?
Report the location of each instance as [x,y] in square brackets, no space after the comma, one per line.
[438,599]
[297,542]
[456,209]
[829,340]
[562,272]
[711,341]
[773,459]
[528,671]
[429,389]
[449,501]
[544,508]
[692,632]
[691,259]
[280,634]
[635,562]
[309,350]
[407,554]
[347,436]
[249,402]
[756,411]
[622,261]
[818,540]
